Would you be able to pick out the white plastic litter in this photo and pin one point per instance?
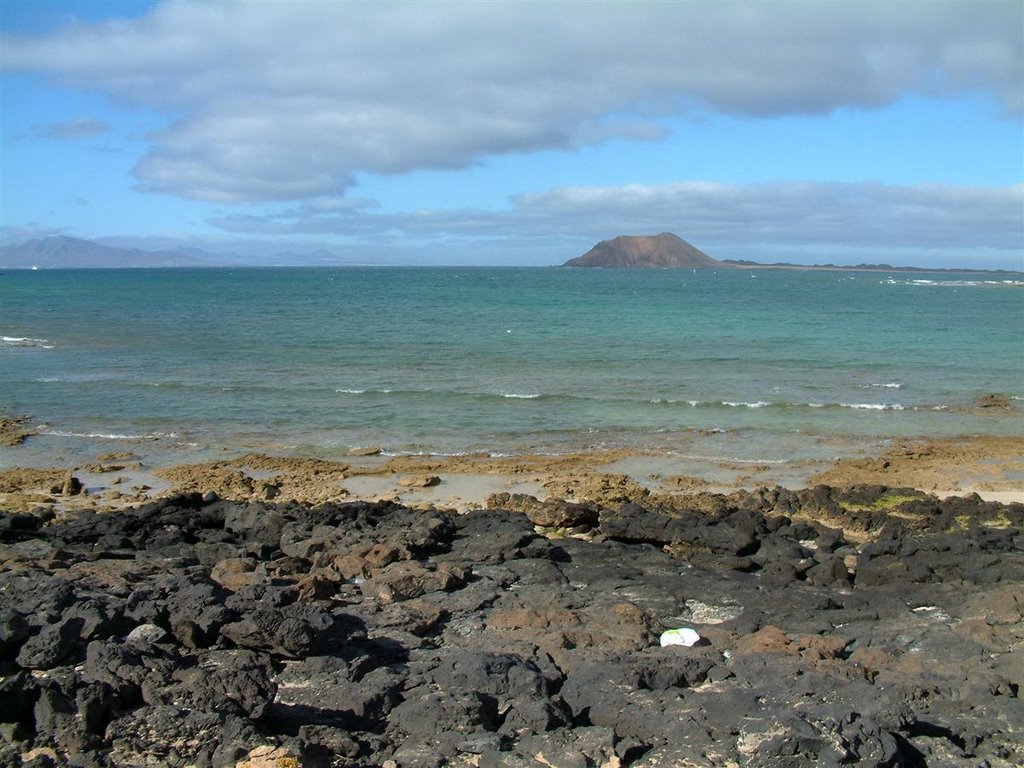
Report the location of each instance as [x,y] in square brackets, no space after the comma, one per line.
[682,636]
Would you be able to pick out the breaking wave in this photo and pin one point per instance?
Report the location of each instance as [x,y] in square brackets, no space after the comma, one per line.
[109,435]
[540,398]
[956,283]
[25,341]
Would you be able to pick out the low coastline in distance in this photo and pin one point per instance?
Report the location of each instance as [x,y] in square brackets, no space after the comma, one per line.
[662,251]
[669,251]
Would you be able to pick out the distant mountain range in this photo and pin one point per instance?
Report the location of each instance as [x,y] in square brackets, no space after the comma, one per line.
[69,253]
[62,252]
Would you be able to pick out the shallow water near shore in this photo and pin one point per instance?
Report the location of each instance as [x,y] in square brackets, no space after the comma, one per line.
[738,366]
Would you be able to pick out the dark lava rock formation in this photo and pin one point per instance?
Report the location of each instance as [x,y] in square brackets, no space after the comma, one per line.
[654,251]
[193,631]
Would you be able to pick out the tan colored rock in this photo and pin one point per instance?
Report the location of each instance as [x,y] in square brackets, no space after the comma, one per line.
[369,450]
[419,481]
[684,483]
[316,587]
[351,566]
[382,554]
[116,456]
[26,502]
[226,481]
[997,402]
[596,487]
[566,634]
[291,465]
[101,469]
[822,646]
[407,579]
[272,757]
[234,573]
[768,639]
[22,480]
[871,659]
[421,617]
[988,462]
[70,485]
[550,513]
[14,430]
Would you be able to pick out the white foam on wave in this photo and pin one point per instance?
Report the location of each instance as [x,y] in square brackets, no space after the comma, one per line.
[815,405]
[732,459]
[957,283]
[879,406]
[109,435]
[351,391]
[439,454]
[79,378]
[710,403]
[873,406]
[25,341]
[521,396]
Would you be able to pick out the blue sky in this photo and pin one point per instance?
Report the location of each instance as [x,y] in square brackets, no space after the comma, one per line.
[519,133]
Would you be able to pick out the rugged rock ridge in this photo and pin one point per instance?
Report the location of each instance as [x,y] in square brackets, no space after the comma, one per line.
[652,251]
[193,631]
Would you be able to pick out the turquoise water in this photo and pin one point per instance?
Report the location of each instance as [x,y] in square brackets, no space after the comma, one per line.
[502,360]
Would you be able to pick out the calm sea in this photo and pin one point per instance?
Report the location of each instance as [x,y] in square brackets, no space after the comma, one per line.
[770,365]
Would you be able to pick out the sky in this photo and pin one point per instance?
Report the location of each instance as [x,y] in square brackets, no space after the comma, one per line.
[519,133]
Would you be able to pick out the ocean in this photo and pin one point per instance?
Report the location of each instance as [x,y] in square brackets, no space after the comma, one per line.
[759,366]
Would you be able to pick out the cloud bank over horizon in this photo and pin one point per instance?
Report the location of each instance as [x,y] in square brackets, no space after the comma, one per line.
[276,112]
[923,216]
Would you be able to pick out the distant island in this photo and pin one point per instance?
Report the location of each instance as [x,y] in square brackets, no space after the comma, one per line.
[668,251]
[744,264]
[664,251]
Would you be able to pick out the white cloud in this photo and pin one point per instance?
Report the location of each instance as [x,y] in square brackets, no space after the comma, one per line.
[858,219]
[863,214]
[287,101]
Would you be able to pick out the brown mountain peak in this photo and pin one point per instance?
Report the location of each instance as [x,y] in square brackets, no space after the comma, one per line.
[646,251]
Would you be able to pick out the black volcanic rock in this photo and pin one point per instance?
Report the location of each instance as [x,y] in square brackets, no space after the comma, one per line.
[648,251]
[366,634]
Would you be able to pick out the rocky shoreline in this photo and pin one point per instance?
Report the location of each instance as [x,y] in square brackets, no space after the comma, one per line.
[871,625]
[988,465]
